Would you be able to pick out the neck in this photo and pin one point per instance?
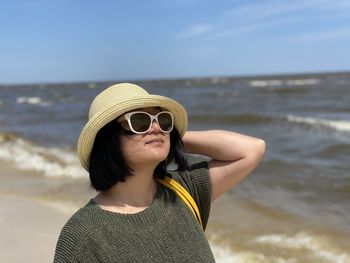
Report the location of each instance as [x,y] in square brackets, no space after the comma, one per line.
[133,195]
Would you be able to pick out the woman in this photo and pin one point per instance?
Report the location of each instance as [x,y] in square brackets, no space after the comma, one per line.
[127,146]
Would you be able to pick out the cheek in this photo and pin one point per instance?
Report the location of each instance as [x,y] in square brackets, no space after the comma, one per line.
[128,147]
[167,142]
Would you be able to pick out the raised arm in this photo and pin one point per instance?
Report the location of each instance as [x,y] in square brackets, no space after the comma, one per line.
[233,156]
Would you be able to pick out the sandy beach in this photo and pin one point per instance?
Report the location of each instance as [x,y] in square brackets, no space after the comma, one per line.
[29,229]
[29,225]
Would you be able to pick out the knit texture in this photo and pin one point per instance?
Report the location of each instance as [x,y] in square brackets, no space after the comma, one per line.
[167,231]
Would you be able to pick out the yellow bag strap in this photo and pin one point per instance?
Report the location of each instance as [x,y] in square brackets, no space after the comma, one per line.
[183,194]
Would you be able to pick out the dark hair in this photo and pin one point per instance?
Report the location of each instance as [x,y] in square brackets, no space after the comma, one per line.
[107,166]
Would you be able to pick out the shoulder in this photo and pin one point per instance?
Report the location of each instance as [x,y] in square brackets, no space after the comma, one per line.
[196,176]
[196,181]
[74,233]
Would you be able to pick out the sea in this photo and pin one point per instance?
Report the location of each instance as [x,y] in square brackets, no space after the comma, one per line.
[295,207]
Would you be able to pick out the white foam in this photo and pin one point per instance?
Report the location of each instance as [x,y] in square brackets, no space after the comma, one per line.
[224,254]
[51,162]
[92,85]
[288,82]
[218,80]
[266,83]
[318,246]
[340,125]
[33,100]
[302,82]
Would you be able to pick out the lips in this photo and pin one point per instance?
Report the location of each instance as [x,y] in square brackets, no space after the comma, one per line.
[156,140]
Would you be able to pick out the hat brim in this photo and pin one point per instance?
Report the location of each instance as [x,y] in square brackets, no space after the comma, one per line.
[99,120]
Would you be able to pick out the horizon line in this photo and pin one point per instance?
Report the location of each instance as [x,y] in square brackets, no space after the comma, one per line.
[183,78]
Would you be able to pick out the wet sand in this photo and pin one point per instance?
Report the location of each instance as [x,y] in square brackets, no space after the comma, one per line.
[29,224]
[29,229]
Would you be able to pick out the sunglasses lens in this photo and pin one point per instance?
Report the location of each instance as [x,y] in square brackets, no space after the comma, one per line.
[165,121]
[140,122]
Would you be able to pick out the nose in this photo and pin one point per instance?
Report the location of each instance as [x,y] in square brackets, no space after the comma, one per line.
[154,127]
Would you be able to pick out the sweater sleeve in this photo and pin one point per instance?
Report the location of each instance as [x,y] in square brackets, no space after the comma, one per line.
[197,182]
[71,239]
[71,244]
[67,245]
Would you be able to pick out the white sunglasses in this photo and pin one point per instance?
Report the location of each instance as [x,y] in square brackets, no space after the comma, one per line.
[140,122]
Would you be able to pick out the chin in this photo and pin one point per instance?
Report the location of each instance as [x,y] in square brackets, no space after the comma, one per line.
[156,156]
[159,157]
[149,154]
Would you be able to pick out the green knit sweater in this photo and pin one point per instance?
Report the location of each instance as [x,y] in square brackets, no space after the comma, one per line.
[166,231]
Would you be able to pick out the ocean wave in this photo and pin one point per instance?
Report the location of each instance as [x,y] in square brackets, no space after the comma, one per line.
[318,246]
[26,155]
[266,83]
[281,82]
[302,246]
[33,100]
[91,85]
[339,125]
[224,254]
[251,119]
[245,118]
[302,82]
[335,149]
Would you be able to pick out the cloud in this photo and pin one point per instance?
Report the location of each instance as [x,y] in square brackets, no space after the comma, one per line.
[264,15]
[343,32]
[266,10]
[196,30]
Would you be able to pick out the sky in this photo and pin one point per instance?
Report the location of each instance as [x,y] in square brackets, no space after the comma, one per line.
[45,41]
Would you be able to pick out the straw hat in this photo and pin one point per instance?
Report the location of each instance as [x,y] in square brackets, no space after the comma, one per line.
[114,102]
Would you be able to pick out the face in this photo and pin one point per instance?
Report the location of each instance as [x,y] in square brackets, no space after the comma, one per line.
[149,148]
